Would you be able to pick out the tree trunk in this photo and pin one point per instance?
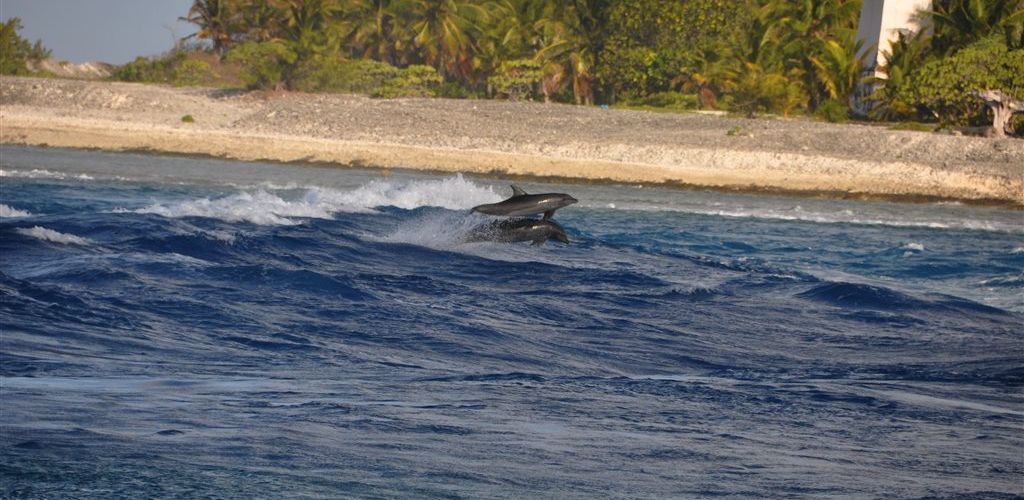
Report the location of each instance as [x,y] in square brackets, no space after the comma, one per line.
[1003,109]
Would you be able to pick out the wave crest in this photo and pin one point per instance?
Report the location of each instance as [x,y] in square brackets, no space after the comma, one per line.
[50,235]
[8,212]
[280,207]
[37,173]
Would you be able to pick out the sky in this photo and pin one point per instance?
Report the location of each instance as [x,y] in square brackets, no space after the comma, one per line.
[113,31]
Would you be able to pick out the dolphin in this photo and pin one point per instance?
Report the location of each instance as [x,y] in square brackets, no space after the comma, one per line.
[522,204]
[519,229]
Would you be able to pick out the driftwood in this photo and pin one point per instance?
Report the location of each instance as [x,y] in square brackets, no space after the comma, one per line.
[1003,109]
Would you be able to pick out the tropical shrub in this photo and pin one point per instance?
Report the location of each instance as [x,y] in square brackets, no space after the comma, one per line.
[833,111]
[758,91]
[415,81]
[664,100]
[653,43]
[192,72]
[15,51]
[943,86]
[516,79]
[150,69]
[264,65]
[335,74]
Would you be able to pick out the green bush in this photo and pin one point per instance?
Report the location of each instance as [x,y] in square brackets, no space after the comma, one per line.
[334,74]
[516,79]
[415,81]
[150,70]
[453,90]
[15,51]
[649,44]
[758,91]
[367,77]
[914,126]
[188,119]
[191,72]
[666,100]
[833,111]
[264,65]
[944,85]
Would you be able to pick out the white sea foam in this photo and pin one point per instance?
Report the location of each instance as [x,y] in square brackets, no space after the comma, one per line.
[225,236]
[8,212]
[258,207]
[270,207]
[1017,250]
[45,234]
[800,214]
[917,247]
[1016,280]
[37,173]
[436,230]
[455,193]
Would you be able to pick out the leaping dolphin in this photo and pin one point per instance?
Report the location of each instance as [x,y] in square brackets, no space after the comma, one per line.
[520,229]
[522,204]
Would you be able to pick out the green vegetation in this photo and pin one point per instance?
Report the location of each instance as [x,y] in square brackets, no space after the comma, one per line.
[744,56]
[662,101]
[265,65]
[832,111]
[15,51]
[188,119]
[915,126]
[179,67]
[943,85]
[972,45]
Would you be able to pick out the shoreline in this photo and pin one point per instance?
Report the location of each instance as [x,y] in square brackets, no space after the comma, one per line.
[670,184]
[516,140]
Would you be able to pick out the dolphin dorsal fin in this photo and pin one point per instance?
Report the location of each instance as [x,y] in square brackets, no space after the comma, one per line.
[517,191]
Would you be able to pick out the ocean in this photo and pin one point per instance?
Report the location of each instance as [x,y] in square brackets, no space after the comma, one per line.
[177,327]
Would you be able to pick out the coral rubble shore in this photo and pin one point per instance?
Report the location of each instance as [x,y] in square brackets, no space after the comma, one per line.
[505,138]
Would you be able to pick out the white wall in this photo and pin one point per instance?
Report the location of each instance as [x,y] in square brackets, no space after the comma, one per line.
[881,22]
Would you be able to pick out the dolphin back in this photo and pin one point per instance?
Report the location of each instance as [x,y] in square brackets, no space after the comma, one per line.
[523,204]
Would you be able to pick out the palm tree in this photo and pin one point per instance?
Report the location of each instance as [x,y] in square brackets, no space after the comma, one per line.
[445,31]
[958,23]
[905,55]
[308,27]
[261,20]
[704,76]
[376,29]
[569,47]
[838,68]
[803,25]
[216,20]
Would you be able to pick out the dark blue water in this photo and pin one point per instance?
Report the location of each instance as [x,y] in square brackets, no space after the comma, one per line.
[177,327]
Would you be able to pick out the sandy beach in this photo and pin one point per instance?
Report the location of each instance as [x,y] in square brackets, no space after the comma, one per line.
[516,139]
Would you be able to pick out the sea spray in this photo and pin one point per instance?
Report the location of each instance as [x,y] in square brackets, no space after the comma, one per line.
[9,212]
[50,235]
[286,206]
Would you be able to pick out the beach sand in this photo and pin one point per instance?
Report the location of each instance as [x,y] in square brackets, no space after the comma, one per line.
[516,139]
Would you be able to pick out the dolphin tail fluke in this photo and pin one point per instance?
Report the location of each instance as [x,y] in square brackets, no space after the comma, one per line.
[517,191]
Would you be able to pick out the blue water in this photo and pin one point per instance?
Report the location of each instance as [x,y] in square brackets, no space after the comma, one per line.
[180,327]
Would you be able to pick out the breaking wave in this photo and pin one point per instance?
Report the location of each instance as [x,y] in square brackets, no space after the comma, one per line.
[8,212]
[267,206]
[38,173]
[50,235]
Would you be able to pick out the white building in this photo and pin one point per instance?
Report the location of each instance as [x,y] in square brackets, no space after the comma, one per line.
[881,22]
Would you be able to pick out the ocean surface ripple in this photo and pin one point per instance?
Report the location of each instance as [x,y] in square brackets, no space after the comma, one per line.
[182,327]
